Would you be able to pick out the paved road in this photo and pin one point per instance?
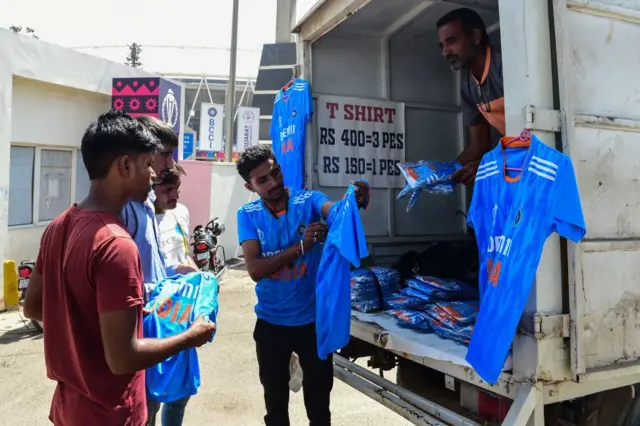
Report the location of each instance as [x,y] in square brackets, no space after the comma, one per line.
[230,394]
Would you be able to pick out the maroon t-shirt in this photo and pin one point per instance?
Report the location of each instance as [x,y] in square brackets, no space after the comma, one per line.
[89,265]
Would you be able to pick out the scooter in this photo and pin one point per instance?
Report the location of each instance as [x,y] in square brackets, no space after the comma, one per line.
[205,247]
[25,270]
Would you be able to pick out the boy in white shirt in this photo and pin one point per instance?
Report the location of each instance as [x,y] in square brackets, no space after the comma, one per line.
[173,220]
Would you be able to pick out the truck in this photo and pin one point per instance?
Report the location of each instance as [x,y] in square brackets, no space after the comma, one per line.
[570,76]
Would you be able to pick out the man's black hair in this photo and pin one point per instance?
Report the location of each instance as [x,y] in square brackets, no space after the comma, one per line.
[470,21]
[111,136]
[160,130]
[252,158]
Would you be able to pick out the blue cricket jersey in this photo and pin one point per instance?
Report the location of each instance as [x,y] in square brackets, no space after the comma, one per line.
[345,244]
[291,111]
[175,303]
[288,297]
[513,216]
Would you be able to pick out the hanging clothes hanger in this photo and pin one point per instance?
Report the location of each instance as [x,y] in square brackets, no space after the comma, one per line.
[295,74]
[525,138]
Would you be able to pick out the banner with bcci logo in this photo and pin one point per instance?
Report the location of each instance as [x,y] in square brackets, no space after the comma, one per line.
[248,128]
[211,127]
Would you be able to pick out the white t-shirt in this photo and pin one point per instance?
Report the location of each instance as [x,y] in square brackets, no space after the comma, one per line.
[174,235]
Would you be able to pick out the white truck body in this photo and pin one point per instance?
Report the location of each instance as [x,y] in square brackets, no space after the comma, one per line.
[570,75]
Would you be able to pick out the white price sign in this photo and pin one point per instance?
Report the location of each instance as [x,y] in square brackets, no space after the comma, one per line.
[211,127]
[360,139]
[248,127]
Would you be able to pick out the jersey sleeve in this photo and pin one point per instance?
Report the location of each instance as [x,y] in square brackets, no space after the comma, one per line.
[273,131]
[317,199]
[472,214]
[246,228]
[308,107]
[565,209]
[117,274]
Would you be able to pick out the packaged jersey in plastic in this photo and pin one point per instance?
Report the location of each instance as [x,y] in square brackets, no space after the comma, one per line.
[400,301]
[390,280]
[174,304]
[433,177]
[366,294]
[411,319]
[446,289]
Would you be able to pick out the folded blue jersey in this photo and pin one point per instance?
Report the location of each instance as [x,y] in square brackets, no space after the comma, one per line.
[174,304]
[345,244]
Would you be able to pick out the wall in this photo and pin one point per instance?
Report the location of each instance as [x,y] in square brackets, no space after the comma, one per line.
[213,190]
[195,191]
[47,114]
[227,195]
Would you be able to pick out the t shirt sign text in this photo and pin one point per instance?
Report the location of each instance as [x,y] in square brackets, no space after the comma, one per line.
[360,139]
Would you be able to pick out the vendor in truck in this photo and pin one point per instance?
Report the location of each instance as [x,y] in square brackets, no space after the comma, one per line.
[465,45]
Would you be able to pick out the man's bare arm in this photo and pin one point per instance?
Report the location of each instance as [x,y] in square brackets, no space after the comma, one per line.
[479,143]
[125,353]
[33,303]
[263,267]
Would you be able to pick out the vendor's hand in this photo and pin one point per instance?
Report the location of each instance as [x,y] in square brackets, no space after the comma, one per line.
[362,192]
[314,233]
[184,269]
[467,174]
[200,332]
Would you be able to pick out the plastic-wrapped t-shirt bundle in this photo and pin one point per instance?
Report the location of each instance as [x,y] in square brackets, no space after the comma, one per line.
[433,177]
[372,288]
[448,308]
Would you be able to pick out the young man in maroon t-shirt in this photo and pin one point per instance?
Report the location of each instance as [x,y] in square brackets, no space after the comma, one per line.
[87,288]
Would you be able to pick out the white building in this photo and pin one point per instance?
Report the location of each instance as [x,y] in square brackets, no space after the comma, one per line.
[48,96]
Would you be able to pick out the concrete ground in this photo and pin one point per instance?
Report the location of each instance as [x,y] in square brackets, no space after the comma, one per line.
[230,394]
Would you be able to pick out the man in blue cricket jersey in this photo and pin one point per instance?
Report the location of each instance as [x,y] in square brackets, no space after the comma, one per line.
[280,235]
[140,220]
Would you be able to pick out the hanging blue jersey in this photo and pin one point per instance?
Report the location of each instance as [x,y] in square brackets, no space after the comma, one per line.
[512,217]
[291,111]
[345,244]
[174,304]
[288,297]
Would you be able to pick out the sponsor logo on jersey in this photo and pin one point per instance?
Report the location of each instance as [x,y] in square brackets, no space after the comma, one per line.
[294,113]
[518,217]
[261,236]
[494,213]
[301,228]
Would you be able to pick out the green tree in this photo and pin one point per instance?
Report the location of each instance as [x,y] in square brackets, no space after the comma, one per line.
[27,30]
[133,59]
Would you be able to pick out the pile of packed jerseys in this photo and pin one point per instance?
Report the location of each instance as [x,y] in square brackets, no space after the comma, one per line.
[422,290]
[175,304]
[433,177]
[453,320]
[449,320]
[372,288]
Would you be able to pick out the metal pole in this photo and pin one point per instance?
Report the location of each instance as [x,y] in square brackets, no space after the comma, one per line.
[231,91]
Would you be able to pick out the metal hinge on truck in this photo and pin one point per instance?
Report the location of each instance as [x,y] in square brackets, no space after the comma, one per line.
[545,326]
[546,120]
